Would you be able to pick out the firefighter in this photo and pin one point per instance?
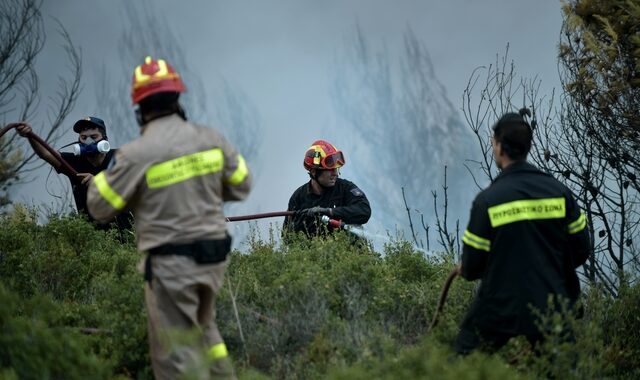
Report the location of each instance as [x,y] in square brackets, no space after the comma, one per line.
[325,194]
[525,238]
[90,157]
[175,178]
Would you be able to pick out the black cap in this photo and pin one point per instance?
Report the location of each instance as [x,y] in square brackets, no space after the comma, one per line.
[89,122]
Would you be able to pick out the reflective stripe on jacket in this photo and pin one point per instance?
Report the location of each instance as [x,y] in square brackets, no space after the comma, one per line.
[174,178]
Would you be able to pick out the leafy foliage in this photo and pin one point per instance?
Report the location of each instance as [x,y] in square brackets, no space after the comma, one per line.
[595,146]
[35,344]
[318,303]
[600,56]
[9,162]
[314,309]
[64,279]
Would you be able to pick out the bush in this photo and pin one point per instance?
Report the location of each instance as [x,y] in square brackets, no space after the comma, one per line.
[73,308]
[314,304]
[93,286]
[428,360]
[33,345]
[622,332]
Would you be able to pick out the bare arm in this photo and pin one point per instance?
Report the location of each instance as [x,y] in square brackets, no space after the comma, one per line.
[24,130]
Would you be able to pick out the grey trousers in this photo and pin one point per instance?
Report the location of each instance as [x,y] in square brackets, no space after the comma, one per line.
[183,336]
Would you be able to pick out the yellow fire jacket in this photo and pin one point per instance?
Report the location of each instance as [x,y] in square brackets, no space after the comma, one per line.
[174,179]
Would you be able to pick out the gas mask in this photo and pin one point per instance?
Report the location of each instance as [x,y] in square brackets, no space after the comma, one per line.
[90,147]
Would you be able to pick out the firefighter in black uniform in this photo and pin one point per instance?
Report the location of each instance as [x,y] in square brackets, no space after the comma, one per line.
[526,237]
[325,194]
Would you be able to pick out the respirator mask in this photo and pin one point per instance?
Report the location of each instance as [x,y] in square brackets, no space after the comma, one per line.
[90,147]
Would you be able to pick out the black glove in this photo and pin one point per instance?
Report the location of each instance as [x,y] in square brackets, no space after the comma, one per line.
[315,211]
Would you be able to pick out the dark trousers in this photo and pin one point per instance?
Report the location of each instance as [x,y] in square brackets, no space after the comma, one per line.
[469,340]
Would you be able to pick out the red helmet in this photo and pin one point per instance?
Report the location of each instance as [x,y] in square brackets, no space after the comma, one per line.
[152,77]
[323,155]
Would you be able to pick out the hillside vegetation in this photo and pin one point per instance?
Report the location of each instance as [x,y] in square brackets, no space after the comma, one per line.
[72,308]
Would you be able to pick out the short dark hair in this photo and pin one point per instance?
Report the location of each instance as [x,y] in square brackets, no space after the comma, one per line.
[162,103]
[514,134]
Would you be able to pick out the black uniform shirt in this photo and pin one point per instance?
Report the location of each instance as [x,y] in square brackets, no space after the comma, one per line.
[526,235]
[82,165]
[349,204]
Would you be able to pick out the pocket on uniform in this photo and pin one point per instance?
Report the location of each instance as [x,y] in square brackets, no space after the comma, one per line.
[212,251]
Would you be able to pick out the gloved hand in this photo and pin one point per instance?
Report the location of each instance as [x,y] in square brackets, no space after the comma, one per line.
[314,211]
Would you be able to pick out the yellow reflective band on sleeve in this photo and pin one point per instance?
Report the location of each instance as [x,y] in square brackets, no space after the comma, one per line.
[527,209]
[182,168]
[240,174]
[476,241]
[107,192]
[218,351]
[577,225]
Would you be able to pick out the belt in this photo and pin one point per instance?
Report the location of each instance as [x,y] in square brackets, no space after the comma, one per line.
[205,249]
[202,251]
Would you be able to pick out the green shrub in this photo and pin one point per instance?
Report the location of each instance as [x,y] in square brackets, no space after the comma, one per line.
[73,307]
[91,278]
[318,303]
[34,346]
[428,360]
[622,332]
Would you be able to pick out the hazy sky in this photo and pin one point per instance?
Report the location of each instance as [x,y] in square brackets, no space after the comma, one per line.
[281,53]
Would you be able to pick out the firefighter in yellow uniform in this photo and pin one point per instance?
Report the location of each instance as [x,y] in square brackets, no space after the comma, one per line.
[175,178]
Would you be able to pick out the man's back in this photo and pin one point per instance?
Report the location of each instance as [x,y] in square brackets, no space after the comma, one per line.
[177,176]
[175,179]
[526,217]
[525,237]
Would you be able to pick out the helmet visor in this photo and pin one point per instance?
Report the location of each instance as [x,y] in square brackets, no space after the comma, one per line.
[333,161]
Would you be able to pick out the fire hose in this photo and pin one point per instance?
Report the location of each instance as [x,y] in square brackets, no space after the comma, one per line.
[443,296]
[65,165]
[240,218]
[332,222]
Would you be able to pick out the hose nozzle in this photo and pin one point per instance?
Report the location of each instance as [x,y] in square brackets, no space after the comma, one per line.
[333,222]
